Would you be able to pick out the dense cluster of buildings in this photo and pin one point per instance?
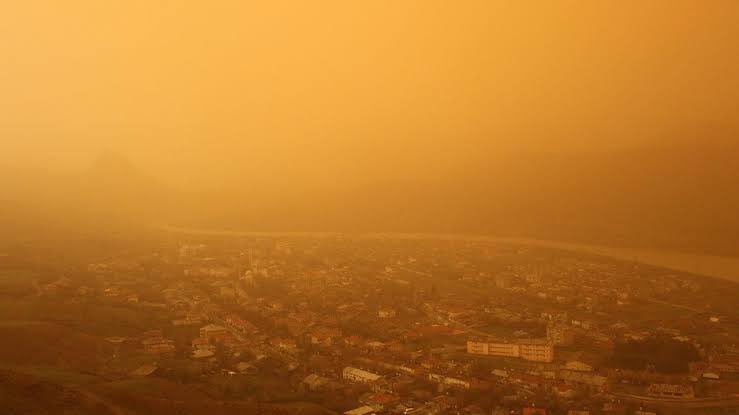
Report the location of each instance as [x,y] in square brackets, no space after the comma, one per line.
[426,327]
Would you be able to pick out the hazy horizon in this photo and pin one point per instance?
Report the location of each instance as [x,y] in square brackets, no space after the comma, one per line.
[611,123]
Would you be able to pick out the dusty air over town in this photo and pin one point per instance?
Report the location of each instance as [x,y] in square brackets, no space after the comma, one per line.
[387,207]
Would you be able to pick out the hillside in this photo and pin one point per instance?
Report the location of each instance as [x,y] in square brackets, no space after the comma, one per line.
[28,395]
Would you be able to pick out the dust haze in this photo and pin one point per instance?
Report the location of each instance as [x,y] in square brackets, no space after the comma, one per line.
[379,207]
[612,122]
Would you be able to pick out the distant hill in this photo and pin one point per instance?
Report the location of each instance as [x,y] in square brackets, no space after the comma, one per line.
[110,195]
[679,196]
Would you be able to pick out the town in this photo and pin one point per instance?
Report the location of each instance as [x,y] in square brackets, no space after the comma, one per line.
[376,324]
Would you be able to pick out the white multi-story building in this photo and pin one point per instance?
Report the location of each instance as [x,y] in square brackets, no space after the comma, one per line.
[537,350]
[493,349]
[477,347]
[504,349]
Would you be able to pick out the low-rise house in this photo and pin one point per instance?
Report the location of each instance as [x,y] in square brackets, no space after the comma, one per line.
[563,390]
[583,378]
[578,366]
[151,333]
[500,373]
[157,345]
[285,344]
[449,381]
[353,340]
[246,368]
[201,343]
[362,410]
[214,272]
[353,374]
[188,320]
[227,292]
[214,333]
[375,345]
[386,313]
[664,390]
[202,354]
[324,336]
[240,325]
[145,370]
[315,382]
[380,400]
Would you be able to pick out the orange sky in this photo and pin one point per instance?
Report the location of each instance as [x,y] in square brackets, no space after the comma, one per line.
[315,92]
